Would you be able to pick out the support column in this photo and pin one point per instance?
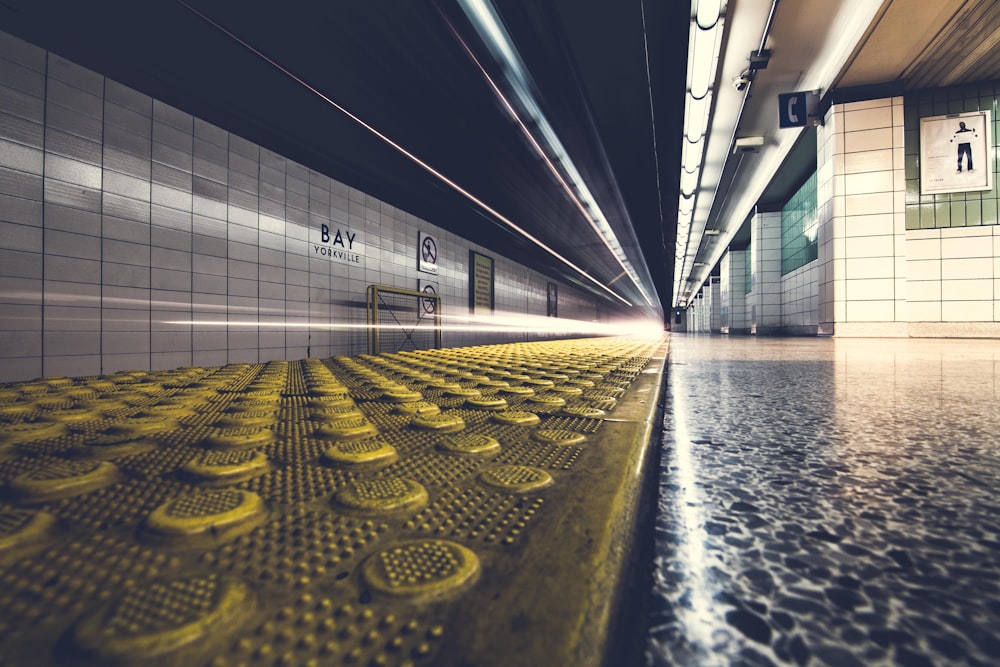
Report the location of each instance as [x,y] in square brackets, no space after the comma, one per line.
[733,292]
[715,305]
[765,301]
[861,191]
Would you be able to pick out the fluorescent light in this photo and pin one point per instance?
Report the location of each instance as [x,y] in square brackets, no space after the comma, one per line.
[689,182]
[696,116]
[691,154]
[702,61]
[708,12]
[704,43]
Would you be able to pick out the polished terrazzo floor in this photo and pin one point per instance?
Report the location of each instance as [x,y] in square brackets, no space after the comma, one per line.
[829,502]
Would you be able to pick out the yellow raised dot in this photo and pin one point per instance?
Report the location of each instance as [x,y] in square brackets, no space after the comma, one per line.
[441,423]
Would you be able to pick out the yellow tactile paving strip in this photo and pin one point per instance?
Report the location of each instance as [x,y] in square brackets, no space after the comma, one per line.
[460,506]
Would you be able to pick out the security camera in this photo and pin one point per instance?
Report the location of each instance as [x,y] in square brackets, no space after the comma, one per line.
[743,80]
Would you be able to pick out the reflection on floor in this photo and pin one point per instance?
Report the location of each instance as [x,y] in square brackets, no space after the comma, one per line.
[829,502]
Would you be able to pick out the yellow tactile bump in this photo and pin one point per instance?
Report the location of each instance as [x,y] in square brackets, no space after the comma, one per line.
[517,418]
[162,620]
[463,392]
[417,408]
[442,423]
[516,478]
[382,496]
[29,431]
[217,468]
[74,414]
[321,402]
[516,391]
[17,410]
[336,414]
[421,569]
[63,479]
[200,518]
[558,436]
[485,403]
[401,395]
[444,386]
[23,531]
[360,454]
[343,430]
[469,443]
[111,446]
[566,390]
[239,438]
[545,403]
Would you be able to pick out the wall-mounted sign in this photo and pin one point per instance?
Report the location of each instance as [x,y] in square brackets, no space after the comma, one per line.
[337,244]
[480,284]
[798,109]
[552,300]
[428,306]
[427,253]
[955,153]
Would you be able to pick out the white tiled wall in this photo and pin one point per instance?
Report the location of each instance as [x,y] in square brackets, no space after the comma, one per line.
[861,179]
[800,299]
[133,235]
[954,278]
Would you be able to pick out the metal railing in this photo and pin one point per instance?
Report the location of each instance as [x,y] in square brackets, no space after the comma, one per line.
[400,319]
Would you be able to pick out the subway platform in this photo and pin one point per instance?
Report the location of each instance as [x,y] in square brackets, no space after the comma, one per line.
[471,506]
[829,502]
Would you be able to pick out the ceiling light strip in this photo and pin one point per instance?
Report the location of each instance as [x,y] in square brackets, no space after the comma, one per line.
[705,43]
[447,181]
[484,19]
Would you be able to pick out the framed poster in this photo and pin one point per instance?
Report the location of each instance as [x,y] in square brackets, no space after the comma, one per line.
[552,301]
[480,284]
[427,253]
[956,153]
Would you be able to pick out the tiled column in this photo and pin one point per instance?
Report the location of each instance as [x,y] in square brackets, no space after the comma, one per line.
[733,292]
[862,235]
[725,297]
[705,310]
[715,306]
[765,303]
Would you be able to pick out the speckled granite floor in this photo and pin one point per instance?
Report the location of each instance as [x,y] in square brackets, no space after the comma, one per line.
[829,502]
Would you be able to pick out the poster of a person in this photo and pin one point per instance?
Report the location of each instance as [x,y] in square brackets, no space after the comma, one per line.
[963,137]
[955,153]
